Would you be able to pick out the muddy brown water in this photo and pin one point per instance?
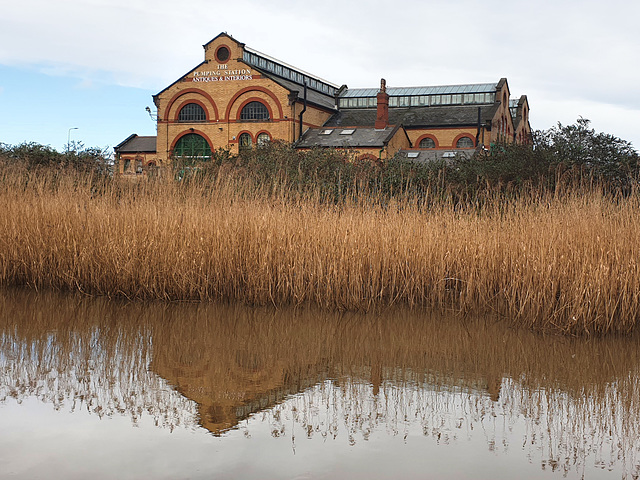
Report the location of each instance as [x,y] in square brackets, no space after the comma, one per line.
[97,388]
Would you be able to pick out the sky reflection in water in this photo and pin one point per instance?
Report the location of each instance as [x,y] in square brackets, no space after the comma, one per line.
[103,389]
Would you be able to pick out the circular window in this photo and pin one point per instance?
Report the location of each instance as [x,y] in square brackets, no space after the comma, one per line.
[222,54]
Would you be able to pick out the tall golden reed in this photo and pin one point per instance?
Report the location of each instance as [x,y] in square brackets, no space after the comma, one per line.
[568,264]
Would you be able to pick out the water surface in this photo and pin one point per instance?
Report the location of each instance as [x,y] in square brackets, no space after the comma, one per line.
[93,388]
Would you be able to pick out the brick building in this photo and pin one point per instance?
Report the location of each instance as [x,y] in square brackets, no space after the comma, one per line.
[238,98]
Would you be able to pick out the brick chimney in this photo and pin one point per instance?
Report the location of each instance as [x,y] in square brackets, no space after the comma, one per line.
[382,117]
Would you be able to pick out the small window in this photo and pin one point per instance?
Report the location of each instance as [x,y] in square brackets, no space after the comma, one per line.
[464,142]
[192,112]
[413,154]
[263,139]
[254,111]
[427,143]
[347,132]
[244,142]
[326,132]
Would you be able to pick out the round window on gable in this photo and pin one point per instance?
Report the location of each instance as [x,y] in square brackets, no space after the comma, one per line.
[222,54]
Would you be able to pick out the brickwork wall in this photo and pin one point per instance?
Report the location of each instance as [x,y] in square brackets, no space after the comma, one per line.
[222,89]
[398,142]
[445,137]
[132,160]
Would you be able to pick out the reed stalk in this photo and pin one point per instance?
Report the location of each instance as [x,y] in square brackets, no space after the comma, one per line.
[542,260]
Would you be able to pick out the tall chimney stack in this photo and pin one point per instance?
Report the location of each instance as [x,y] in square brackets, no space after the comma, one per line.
[382,117]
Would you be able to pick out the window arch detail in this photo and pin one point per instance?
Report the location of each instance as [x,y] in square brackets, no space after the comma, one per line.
[427,142]
[244,142]
[180,99]
[263,138]
[254,110]
[465,142]
[192,112]
[192,146]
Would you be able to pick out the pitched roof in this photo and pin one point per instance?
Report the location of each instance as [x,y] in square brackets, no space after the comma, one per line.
[429,156]
[346,138]
[136,144]
[427,90]
[313,96]
[434,116]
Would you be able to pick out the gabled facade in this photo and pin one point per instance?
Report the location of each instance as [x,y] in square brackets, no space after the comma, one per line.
[238,98]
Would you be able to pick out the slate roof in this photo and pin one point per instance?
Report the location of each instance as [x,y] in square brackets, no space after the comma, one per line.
[434,116]
[428,156]
[361,137]
[136,144]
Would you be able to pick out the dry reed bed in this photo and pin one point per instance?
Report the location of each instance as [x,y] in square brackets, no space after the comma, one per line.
[569,265]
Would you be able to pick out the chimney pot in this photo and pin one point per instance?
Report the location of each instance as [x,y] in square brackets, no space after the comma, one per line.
[382,116]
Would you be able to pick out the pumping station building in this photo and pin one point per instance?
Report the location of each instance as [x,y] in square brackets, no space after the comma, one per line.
[238,98]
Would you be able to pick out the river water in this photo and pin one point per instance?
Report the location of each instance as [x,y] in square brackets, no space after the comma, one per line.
[98,388]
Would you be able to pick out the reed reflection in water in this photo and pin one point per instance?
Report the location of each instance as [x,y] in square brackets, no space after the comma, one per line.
[301,376]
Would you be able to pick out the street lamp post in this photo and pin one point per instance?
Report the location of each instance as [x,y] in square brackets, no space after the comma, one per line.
[69,138]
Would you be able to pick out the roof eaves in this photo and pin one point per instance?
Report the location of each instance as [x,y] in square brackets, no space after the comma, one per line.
[282,83]
[223,34]
[284,64]
[391,134]
[126,140]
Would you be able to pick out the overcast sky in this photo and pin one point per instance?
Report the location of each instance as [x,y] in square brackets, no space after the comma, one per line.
[94,64]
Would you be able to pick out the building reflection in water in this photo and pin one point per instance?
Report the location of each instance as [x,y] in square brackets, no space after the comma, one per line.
[307,373]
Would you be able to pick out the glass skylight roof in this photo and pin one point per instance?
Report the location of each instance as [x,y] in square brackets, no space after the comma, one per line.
[411,91]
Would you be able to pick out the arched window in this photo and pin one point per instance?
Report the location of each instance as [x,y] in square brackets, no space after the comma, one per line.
[192,146]
[254,111]
[244,142]
[192,112]
[427,143]
[464,142]
[263,139]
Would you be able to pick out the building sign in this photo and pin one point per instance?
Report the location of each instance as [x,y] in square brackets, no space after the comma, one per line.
[223,74]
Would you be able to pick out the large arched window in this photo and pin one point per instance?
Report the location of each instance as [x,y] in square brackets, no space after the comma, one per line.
[192,146]
[427,143]
[192,112]
[464,142]
[254,111]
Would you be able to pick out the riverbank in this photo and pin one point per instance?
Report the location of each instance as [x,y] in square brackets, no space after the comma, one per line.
[564,263]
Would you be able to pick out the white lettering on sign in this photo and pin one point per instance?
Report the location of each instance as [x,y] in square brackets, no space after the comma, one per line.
[222,74]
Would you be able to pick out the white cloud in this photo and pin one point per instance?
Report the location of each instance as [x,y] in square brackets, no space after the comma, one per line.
[570,54]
